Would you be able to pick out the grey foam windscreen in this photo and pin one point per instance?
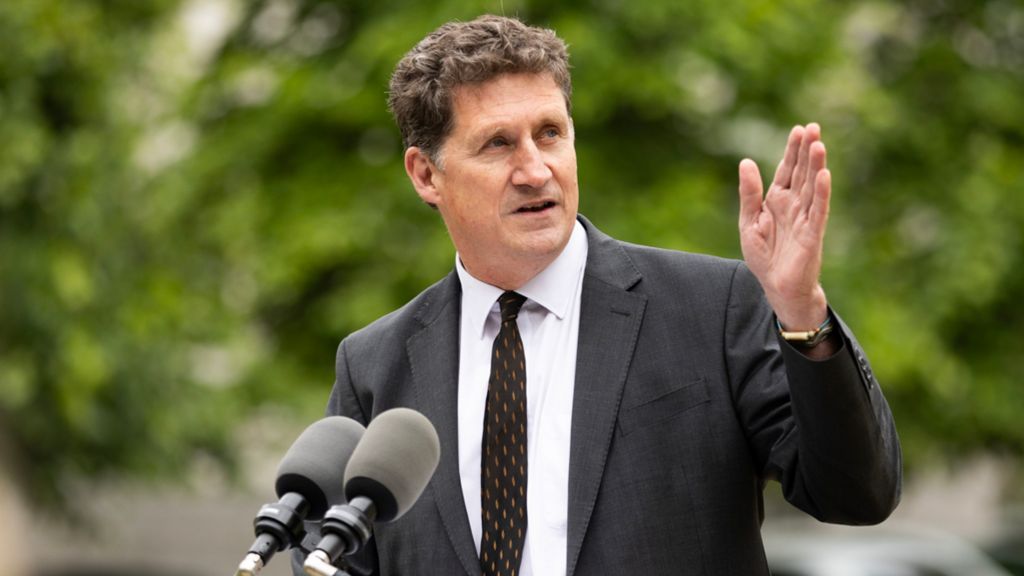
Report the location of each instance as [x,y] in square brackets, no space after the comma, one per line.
[315,464]
[394,462]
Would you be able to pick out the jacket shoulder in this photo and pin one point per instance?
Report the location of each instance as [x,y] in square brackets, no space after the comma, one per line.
[683,270]
[396,326]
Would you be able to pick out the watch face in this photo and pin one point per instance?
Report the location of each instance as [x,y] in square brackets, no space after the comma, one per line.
[819,336]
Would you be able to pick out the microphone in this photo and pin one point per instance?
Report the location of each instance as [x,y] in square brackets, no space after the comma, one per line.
[388,471]
[307,484]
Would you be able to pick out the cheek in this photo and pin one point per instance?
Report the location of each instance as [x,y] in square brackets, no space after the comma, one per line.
[568,170]
[477,211]
[570,183]
[474,200]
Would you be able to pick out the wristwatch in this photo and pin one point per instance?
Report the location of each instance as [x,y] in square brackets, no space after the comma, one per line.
[807,338]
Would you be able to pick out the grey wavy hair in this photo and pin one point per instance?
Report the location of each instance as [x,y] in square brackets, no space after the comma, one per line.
[466,53]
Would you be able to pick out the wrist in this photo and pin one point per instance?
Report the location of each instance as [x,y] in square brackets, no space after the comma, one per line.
[804,314]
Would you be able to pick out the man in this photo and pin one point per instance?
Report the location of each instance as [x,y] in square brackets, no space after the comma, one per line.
[662,389]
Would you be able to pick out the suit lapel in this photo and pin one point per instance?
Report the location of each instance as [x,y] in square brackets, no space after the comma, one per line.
[610,318]
[434,361]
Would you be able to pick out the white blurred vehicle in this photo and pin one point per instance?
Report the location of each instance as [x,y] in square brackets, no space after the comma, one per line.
[873,551]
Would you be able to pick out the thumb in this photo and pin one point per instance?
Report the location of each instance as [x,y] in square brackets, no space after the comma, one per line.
[751,192]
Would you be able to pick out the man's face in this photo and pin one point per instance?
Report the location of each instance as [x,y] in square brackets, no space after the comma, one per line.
[506,187]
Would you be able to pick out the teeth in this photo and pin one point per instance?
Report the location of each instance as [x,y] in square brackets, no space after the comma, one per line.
[537,207]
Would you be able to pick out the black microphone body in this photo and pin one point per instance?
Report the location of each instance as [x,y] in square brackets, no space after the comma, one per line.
[279,526]
[347,528]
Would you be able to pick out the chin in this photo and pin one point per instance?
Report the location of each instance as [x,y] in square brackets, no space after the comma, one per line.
[548,244]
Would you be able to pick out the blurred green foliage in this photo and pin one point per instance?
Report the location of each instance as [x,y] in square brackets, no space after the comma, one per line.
[199,199]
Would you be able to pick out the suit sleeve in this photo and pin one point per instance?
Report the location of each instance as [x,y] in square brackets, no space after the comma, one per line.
[821,428]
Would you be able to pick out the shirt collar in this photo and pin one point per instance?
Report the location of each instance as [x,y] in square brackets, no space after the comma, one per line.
[553,288]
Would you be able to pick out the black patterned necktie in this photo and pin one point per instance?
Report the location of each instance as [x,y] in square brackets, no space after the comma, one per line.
[503,459]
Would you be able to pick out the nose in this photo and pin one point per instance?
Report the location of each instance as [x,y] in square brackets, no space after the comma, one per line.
[530,167]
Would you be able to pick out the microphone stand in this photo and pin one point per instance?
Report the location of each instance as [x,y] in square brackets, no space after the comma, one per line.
[318,563]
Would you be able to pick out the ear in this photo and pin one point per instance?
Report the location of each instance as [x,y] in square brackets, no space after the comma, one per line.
[423,174]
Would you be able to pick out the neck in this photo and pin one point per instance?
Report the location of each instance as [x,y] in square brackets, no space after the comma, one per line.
[507,276]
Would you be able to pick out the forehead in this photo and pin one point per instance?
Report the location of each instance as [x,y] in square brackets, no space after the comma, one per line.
[505,99]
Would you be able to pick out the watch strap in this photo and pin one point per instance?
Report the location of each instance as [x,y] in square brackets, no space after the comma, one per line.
[806,338]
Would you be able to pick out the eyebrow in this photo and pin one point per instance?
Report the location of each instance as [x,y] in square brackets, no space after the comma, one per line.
[493,129]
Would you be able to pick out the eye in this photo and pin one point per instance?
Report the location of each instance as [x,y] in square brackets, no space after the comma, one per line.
[496,142]
[551,132]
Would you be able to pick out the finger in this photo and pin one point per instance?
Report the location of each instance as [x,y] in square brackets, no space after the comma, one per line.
[812,133]
[751,192]
[817,160]
[822,197]
[784,172]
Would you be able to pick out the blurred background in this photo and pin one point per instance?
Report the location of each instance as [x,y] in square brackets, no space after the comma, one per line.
[200,198]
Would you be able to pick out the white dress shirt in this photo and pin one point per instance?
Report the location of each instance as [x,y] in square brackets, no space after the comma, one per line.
[549,326]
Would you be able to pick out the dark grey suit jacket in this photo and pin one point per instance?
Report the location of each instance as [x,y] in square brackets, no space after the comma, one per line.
[685,403]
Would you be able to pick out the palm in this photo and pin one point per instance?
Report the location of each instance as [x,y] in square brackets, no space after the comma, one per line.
[781,232]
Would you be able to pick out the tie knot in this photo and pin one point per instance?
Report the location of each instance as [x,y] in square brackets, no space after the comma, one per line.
[510,303]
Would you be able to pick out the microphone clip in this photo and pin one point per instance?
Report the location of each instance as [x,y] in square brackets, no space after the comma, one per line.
[345,529]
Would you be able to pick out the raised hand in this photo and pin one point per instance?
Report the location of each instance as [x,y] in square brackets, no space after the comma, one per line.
[782,232]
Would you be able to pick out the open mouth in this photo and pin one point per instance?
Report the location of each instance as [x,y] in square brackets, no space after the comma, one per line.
[538,207]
